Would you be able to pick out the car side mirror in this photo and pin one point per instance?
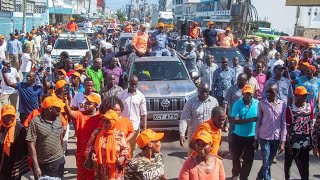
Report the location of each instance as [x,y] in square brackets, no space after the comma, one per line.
[194,74]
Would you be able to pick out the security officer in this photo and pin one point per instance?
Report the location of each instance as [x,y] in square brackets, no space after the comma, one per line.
[159,40]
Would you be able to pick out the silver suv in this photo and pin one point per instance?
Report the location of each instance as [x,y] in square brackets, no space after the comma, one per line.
[167,86]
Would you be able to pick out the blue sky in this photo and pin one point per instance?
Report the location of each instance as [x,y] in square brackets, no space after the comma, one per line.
[116,4]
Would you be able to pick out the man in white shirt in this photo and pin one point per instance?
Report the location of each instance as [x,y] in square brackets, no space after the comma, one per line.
[207,70]
[135,109]
[272,51]
[88,25]
[276,61]
[9,95]
[236,68]
[265,42]
[26,63]
[46,62]
[37,42]
[256,50]
[2,48]
[104,43]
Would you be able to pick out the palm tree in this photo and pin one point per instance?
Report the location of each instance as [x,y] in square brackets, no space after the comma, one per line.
[120,15]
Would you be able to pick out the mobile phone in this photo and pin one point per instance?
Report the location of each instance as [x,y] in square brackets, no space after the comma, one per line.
[67,88]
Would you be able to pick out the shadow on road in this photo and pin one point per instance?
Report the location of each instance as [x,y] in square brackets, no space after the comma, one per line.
[181,155]
[170,136]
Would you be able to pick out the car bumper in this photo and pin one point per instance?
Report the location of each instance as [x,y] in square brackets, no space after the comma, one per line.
[163,124]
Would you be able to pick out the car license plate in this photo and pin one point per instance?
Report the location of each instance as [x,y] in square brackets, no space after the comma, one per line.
[165,116]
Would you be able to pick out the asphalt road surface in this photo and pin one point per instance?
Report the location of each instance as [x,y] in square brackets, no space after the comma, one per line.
[174,156]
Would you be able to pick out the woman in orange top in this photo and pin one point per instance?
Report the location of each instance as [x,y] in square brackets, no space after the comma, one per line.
[203,165]
[108,149]
[124,123]
[194,31]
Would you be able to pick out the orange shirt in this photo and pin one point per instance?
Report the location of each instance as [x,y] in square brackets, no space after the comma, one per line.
[37,112]
[85,125]
[72,26]
[125,125]
[225,40]
[140,41]
[214,131]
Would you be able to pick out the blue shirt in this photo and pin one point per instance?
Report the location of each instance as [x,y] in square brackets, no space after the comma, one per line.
[285,89]
[161,38]
[222,81]
[241,111]
[80,89]
[28,97]
[210,36]
[13,47]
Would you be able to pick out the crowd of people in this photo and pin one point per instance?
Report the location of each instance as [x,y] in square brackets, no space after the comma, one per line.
[271,102]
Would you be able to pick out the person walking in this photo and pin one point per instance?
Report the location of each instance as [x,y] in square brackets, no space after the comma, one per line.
[195,112]
[135,108]
[207,70]
[45,140]
[13,50]
[95,73]
[298,144]
[271,129]
[244,115]
[148,164]
[203,165]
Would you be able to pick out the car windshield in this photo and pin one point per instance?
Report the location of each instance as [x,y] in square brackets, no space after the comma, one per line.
[218,53]
[110,30]
[160,70]
[166,21]
[182,44]
[71,44]
[125,42]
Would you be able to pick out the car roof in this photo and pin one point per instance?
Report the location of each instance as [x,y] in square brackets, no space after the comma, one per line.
[127,34]
[221,47]
[157,58]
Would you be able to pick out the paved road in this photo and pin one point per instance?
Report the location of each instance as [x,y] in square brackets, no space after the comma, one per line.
[174,157]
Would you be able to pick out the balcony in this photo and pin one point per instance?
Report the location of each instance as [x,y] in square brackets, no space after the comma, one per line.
[213,13]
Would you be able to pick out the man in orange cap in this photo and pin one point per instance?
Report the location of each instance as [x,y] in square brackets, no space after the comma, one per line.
[299,120]
[244,115]
[140,41]
[46,149]
[309,50]
[226,39]
[148,163]
[84,130]
[210,36]
[29,42]
[13,147]
[194,31]
[71,25]
[159,42]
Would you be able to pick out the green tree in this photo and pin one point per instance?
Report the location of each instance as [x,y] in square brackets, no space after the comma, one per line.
[120,15]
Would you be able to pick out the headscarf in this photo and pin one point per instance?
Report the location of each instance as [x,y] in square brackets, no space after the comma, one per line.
[110,151]
[8,110]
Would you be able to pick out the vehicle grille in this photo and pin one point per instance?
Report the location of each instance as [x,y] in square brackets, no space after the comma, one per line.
[176,104]
[76,59]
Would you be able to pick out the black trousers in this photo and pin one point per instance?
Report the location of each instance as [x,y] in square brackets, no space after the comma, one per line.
[53,169]
[242,147]
[301,157]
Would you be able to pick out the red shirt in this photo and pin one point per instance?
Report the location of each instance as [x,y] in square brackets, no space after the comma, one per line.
[85,125]
[70,72]
[72,26]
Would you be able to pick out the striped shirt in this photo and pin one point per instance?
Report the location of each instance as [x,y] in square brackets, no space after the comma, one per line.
[194,113]
[47,136]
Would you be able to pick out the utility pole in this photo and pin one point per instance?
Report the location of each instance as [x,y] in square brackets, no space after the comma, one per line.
[297,20]
[129,15]
[89,8]
[144,11]
[24,27]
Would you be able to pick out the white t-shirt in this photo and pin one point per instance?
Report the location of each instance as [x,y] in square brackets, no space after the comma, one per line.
[46,60]
[26,63]
[2,52]
[265,44]
[78,101]
[88,26]
[105,44]
[256,50]
[274,62]
[12,77]
[37,41]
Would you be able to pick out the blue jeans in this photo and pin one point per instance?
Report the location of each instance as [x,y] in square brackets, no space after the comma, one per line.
[269,150]
[161,52]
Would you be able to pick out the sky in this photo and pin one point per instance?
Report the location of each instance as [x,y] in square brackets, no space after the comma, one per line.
[117,4]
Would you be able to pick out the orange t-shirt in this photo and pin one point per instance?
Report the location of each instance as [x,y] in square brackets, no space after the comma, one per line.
[125,125]
[225,40]
[72,26]
[194,31]
[37,112]
[140,41]
[215,133]
[85,125]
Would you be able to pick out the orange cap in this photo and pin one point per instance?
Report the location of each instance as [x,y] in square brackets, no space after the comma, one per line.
[147,136]
[111,115]
[257,39]
[300,90]
[211,23]
[228,29]
[30,35]
[61,84]
[8,109]
[79,67]
[71,19]
[306,64]
[160,24]
[247,89]
[76,74]
[1,37]
[52,101]
[313,68]
[94,98]
[63,71]
[203,135]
